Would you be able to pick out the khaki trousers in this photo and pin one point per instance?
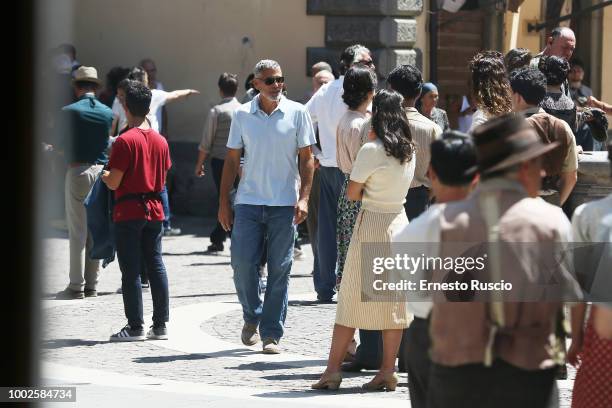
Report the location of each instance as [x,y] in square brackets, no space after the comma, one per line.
[84,271]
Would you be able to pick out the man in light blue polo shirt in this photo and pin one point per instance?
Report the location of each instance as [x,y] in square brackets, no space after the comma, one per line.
[272,199]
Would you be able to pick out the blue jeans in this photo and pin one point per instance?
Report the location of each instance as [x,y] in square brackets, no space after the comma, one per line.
[253,223]
[331,180]
[140,241]
[166,205]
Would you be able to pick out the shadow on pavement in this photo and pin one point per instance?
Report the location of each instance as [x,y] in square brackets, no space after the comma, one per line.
[209,263]
[167,359]
[61,343]
[307,393]
[310,303]
[261,366]
[280,365]
[204,295]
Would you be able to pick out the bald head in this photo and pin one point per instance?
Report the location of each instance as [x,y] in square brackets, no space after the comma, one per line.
[561,43]
[320,79]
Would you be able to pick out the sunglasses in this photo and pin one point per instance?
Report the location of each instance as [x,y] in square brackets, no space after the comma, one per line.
[367,63]
[271,80]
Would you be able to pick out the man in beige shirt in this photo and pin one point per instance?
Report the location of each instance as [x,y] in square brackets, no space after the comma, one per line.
[214,139]
[408,81]
[560,164]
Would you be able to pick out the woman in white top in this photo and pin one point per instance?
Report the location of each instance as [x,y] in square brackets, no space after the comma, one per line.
[380,178]
[489,86]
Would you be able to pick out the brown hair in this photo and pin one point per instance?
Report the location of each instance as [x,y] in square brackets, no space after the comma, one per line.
[489,83]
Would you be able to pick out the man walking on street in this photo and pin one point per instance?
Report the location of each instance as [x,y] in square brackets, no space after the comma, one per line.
[272,199]
[214,141]
[139,162]
[87,124]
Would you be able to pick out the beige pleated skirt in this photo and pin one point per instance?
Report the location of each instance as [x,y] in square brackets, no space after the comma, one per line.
[355,309]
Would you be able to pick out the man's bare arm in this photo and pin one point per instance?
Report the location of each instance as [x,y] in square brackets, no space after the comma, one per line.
[306,174]
[112,178]
[567,183]
[230,171]
[180,94]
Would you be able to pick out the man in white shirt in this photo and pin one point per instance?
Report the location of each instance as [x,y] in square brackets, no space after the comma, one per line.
[451,156]
[326,107]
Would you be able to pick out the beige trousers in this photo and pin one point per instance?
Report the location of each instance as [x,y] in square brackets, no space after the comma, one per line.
[84,271]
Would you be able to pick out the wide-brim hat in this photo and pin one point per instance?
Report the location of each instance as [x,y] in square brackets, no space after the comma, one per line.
[505,141]
[86,74]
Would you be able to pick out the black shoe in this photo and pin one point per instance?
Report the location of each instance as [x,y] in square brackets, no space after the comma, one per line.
[323,300]
[355,367]
[69,294]
[171,232]
[91,293]
[158,333]
[128,334]
[214,248]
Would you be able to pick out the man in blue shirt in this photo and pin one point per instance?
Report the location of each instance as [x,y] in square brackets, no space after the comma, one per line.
[272,199]
[85,129]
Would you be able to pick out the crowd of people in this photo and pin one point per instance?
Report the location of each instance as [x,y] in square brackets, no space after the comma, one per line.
[366,164]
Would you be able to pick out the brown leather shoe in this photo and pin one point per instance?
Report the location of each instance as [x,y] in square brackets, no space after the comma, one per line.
[386,382]
[328,382]
[249,334]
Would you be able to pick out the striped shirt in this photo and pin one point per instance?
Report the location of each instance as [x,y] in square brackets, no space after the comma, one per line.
[423,132]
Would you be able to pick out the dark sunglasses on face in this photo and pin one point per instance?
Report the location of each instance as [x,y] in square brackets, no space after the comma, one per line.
[271,80]
[367,63]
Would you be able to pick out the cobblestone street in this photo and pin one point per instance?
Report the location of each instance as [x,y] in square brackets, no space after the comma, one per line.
[204,360]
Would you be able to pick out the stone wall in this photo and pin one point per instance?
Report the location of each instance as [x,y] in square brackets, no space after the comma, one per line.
[387,27]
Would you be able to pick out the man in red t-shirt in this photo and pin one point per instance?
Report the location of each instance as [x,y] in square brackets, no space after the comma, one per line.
[138,165]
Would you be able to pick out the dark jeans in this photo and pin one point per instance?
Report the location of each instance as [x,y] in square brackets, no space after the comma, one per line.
[414,357]
[417,201]
[331,180]
[312,220]
[218,235]
[369,351]
[501,386]
[140,241]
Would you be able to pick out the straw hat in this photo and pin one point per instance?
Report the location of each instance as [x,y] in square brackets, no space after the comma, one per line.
[86,74]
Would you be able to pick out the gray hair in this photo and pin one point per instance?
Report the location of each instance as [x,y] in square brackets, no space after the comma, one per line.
[263,65]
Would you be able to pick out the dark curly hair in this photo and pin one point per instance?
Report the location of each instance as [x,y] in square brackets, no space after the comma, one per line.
[137,98]
[517,58]
[555,68]
[390,125]
[489,83]
[359,81]
[407,80]
[530,83]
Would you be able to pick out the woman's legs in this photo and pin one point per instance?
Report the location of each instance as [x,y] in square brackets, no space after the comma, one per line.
[340,341]
[391,342]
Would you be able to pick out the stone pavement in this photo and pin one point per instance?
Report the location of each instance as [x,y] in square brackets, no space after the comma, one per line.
[204,360]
